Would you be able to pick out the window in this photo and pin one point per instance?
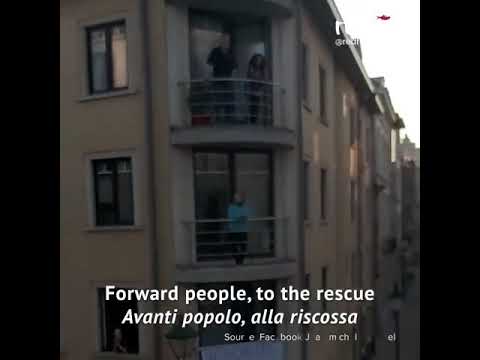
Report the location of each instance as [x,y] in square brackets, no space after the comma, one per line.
[249,35]
[324,286]
[218,177]
[304,72]
[394,146]
[322,93]
[113,186]
[306,182]
[107,57]
[115,337]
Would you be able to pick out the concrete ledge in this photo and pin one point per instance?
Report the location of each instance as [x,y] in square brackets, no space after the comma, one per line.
[115,356]
[121,228]
[107,95]
[258,7]
[234,135]
[227,273]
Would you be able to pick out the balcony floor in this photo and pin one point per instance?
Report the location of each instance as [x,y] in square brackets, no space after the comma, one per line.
[254,136]
[268,269]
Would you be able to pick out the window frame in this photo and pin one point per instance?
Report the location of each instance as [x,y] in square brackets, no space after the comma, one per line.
[114,161]
[305,68]
[137,179]
[107,27]
[231,163]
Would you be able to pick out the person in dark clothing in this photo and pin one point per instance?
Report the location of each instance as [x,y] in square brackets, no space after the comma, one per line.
[257,71]
[221,59]
[223,62]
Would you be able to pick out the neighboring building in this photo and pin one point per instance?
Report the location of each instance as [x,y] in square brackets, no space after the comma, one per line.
[387,223]
[410,151]
[410,343]
[115,227]
[155,148]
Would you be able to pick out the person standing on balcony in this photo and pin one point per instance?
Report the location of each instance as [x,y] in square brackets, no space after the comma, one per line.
[223,62]
[238,215]
[256,89]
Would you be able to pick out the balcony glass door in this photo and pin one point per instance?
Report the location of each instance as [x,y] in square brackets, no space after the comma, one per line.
[235,92]
[218,178]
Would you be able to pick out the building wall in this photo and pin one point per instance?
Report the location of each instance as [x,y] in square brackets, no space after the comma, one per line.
[104,126]
[319,150]
[346,230]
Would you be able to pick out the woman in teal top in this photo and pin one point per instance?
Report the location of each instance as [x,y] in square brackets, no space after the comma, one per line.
[238,215]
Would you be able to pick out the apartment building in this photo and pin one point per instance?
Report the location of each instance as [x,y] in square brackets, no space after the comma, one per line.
[162,144]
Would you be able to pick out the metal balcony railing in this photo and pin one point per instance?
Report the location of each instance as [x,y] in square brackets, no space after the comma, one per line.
[233,101]
[226,239]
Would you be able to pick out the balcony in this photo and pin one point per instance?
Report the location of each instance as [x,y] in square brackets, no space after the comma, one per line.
[233,112]
[226,250]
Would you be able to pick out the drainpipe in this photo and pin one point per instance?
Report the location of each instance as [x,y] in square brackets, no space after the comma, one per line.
[299,130]
[150,194]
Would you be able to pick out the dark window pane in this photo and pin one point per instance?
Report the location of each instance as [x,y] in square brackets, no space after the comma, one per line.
[217,177]
[98,60]
[113,192]
[304,73]
[104,175]
[125,192]
[322,90]
[253,180]
[111,315]
[119,56]
[212,179]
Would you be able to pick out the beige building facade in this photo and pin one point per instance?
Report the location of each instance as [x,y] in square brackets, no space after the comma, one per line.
[156,147]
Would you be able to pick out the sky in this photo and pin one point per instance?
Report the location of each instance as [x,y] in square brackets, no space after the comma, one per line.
[390,49]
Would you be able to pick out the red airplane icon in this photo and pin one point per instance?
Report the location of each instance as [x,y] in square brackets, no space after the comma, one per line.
[383,17]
